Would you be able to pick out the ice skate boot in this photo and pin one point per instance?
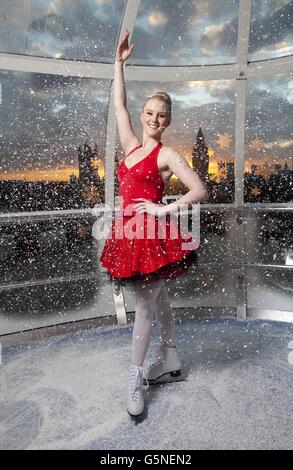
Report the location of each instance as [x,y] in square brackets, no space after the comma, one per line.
[166,368]
[135,400]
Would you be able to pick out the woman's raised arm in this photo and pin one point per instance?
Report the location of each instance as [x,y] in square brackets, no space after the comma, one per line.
[127,136]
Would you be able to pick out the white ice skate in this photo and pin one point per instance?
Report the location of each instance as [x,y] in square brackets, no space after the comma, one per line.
[166,368]
[135,400]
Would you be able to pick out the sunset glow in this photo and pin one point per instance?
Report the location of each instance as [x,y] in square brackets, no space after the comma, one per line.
[49,174]
[265,166]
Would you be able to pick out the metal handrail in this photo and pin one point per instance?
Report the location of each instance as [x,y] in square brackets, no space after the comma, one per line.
[103,275]
[97,211]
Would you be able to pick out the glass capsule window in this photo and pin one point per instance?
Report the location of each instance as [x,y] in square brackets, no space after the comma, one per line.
[53,139]
[271,32]
[171,32]
[75,30]
[268,160]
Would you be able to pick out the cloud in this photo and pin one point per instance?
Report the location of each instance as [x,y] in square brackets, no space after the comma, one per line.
[256,144]
[285,143]
[270,26]
[69,28]
[158,18]
[224,141]
[290,92]
[212,32]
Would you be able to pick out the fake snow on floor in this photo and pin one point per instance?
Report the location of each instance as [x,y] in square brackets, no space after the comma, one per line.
[69,392]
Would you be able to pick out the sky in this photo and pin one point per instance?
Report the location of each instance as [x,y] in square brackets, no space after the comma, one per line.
[45,117]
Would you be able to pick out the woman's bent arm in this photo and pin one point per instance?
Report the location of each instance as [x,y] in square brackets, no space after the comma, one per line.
[197,189]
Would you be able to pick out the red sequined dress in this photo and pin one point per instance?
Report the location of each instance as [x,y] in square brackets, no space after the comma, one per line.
[143,246]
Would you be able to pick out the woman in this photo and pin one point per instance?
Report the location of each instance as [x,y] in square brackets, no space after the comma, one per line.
[140,261]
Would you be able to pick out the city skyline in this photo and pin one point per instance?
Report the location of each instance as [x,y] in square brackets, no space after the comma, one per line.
[64,173]
[85,188]
[45,117]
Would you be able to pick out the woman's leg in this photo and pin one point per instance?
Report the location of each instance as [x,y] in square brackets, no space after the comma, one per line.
[165,317]
[145,298]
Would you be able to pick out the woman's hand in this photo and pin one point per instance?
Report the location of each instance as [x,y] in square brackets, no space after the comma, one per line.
[148,207]
[124,50]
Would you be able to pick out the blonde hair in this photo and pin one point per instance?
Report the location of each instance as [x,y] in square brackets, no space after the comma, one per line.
[161,96]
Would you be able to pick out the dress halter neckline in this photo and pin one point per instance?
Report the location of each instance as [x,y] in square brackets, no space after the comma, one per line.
[159,144]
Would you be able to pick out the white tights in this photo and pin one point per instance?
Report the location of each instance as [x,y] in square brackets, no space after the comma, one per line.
[151,299]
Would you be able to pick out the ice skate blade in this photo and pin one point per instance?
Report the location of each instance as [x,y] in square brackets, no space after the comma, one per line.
[166,378]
